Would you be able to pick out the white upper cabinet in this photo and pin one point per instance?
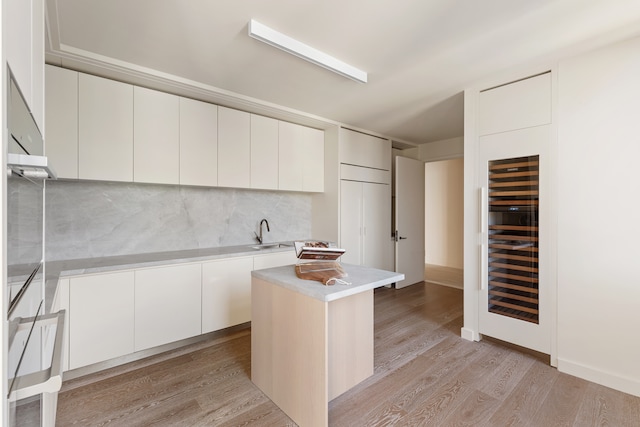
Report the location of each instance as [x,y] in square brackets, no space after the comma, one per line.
[264,152]
[156,150]
[234,148]
[198,143]
[61,114]
[301,158]
[313,161]
[111,131]
[360,149]
[105,129]
[517,105]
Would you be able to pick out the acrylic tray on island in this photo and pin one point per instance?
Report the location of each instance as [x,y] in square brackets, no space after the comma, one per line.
[320,262]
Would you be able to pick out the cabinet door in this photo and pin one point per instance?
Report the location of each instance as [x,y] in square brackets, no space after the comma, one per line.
[264,152]
[61,302]
[313,160]
[301,158]
[167,305]
[156,137]
[234,148]
[364,150]
[351,221]
[105,129]
[275,259]
[290,154]
[226,293]
[61,111]
[101,317]
[517,105]
[198,143]
[377,249]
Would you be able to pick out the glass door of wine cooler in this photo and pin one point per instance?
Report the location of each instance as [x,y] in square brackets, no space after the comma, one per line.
[513,191]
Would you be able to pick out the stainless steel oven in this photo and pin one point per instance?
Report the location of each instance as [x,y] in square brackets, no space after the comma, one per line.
[34,335]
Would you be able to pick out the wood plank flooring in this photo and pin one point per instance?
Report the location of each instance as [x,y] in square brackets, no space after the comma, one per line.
[425,375]
[447,276]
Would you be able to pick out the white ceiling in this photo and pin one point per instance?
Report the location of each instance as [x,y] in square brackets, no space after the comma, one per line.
[420,54]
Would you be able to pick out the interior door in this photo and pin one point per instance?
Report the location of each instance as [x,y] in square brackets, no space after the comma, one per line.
[409,219]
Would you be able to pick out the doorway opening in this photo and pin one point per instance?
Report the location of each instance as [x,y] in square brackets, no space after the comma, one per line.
[444,213]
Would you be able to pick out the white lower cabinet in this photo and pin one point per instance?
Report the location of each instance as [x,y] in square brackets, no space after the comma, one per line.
[226,293]
[167,305]
[101,317]
[119,313]
[275,259]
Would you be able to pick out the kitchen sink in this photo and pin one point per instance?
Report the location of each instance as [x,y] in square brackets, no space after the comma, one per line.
[271,246]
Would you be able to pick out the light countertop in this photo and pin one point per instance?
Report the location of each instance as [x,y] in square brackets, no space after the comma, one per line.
[360,278]
[57,269]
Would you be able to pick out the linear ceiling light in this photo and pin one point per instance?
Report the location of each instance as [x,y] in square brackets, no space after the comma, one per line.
[267,35]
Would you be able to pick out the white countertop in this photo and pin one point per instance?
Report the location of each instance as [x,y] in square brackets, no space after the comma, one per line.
[74,267]
[361,279]
[112,263]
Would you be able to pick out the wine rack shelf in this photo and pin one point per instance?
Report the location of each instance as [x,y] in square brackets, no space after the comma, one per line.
[513,238]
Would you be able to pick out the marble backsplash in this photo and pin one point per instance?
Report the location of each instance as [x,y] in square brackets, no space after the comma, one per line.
[87,219]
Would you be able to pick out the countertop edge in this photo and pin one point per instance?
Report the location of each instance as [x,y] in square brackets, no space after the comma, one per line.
[362,279]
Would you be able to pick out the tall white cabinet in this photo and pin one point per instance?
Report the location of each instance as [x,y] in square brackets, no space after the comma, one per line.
[365,223]
[514,176]
[365,200]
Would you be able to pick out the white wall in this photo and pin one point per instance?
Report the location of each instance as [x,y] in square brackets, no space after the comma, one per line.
[598,229]
[442,150]
[444,210]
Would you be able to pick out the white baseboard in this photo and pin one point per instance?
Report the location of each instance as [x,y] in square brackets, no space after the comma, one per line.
[598,376]
[469,335]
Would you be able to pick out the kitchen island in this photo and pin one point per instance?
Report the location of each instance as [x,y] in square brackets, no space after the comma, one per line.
[311,342]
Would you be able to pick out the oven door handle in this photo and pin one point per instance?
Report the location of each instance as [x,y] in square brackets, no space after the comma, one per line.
[47,380]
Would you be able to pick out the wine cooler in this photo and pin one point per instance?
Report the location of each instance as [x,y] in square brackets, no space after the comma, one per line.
[512,256]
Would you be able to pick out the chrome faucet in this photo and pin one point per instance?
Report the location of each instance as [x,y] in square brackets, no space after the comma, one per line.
[264,220]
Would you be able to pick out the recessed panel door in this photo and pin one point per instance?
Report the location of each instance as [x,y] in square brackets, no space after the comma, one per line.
[514,290]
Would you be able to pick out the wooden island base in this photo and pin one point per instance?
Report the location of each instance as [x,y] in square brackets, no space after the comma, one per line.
[305,351]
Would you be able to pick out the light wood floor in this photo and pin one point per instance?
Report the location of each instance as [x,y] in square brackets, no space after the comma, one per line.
[425,375]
